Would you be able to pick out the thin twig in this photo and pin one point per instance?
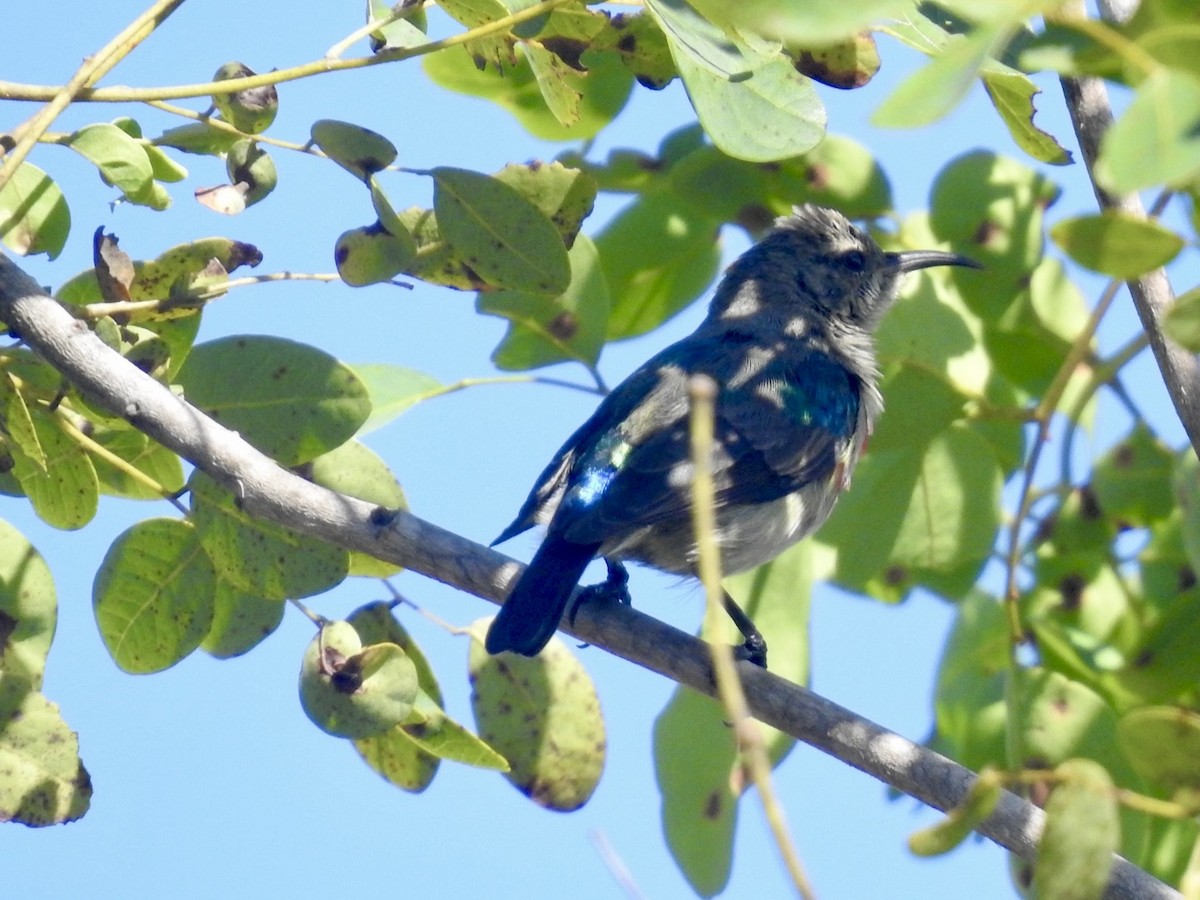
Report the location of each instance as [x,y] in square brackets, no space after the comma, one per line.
[10,90]
[751,748]
[94,68]
[93,311]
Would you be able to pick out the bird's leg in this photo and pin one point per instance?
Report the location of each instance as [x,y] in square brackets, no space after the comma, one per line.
[614,587]
[755,648]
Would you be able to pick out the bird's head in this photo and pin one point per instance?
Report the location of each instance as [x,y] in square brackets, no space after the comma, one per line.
[815,262]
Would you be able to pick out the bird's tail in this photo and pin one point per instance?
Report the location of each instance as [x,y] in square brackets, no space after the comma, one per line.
[534,607]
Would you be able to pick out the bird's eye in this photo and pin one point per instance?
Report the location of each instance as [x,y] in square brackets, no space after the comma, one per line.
[854,260]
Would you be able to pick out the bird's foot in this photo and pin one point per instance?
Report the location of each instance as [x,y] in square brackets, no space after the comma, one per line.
[613,589]
[755,648]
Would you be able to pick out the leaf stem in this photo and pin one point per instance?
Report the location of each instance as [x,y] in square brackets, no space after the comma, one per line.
[93,311]
[122,465]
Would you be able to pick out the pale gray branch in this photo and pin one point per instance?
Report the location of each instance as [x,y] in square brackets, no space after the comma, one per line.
[1091,115]
[265,490]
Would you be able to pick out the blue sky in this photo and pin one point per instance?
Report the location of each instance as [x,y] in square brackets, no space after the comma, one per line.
[209,780]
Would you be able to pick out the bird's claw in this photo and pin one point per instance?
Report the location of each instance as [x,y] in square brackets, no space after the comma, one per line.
[754,650]
[613,589]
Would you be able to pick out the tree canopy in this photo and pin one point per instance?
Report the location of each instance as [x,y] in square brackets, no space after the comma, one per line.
[256,498]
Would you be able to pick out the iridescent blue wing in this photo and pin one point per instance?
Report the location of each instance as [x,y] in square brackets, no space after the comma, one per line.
[780,424]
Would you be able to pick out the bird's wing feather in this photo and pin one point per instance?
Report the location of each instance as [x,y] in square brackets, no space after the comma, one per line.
[785,424]
[562,468]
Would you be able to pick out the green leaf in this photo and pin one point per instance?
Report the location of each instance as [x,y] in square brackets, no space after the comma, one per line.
[1117,243]
[177,273]
[772,115]
[544,330]
[1187,493]
[292,401]
[1075,851]
[920,405]
[936,88]
[807,24]
[564,195]
[697,42]
[259,557]
[838,172]
[657,258]
[603,92]
[495,50]
[958,824]
[388,219]
[554,79]
[1031,338]
[1052,719]
[34,217]
[147,456]
[846,64]
[699,807]
[241,620]
[1162,743]
[991,208]
[1012,94]
[45,782]
[353,691]
[543,716]
[376,623]
[63,489]
[1132,481]
[969,702]
[121,160]
[153,595]
[1182,323]
[442,737]
[499,234]
[28,609]
[393,389]
[163,167]
[1157,139]
[637,42]
[18,424]
[934,511]
[437,262]
[358,150]
[372,254]
[199,138]
[400,33]
[399,759]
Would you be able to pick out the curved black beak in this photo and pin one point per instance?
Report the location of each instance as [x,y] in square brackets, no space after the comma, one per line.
[911,260]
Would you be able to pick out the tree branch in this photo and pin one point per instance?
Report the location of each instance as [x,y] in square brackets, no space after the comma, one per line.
[267,491]
[1091,115]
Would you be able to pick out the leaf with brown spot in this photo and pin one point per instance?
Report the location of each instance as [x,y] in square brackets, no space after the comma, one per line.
[544,329]
[543,715]
[114,268]
[504,237]
[694,753]
[847,64]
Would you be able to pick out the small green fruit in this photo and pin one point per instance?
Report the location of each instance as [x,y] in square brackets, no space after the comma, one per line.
[250,111]
[248,164]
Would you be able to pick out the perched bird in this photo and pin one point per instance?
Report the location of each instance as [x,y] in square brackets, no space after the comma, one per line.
[788,341]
